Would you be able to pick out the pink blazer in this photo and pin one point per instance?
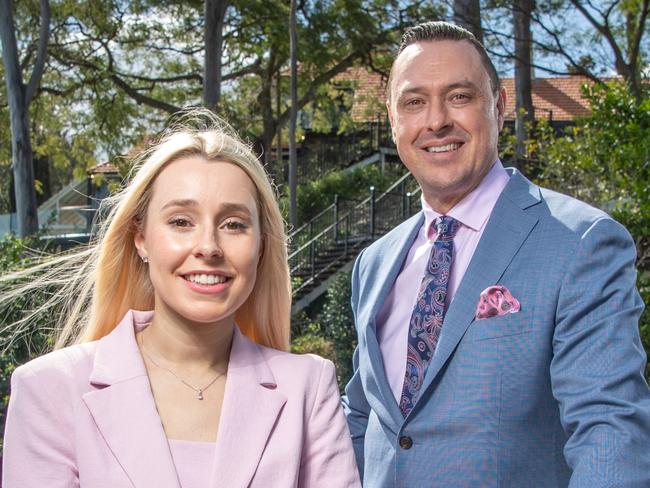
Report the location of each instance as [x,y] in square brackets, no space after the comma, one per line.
[85,416]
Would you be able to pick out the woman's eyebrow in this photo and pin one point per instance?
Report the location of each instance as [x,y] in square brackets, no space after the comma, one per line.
[224,207]
[184,202]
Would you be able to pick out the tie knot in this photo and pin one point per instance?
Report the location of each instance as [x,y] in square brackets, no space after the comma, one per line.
[446,227]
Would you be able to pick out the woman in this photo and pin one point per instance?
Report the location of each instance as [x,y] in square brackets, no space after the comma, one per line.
[196,391]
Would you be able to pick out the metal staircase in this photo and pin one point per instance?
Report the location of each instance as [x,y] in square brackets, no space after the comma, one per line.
[330,242]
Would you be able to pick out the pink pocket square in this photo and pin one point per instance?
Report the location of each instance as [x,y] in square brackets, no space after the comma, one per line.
[496,300]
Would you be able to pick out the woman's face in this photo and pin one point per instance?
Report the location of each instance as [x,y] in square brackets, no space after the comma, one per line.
[202,238]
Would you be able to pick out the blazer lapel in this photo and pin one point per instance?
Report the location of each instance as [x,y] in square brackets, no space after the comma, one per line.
[124,409]
[251,406]
[507,229]
[392,254]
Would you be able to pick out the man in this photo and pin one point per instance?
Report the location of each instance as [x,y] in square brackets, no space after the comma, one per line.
[498,328]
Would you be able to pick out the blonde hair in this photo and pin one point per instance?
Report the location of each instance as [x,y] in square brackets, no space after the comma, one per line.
[99,284]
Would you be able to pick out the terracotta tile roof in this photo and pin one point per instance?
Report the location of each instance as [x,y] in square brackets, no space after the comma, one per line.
[369,93]
[559,99]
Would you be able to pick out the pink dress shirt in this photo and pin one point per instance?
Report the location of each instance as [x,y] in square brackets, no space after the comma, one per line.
[393,319]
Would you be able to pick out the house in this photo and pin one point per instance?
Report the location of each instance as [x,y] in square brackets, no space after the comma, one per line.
[68,215]
[558,100]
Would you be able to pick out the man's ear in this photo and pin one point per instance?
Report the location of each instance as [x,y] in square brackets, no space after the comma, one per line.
[501,107]
[390,119]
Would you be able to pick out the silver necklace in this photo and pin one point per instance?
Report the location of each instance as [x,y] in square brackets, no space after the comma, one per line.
[199,391]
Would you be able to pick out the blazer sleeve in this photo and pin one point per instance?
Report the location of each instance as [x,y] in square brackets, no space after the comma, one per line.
[598,363]
[38,448]
[327,458]
[354,401]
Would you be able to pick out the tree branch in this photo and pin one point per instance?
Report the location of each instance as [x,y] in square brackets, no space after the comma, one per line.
[143,99]
[41,53]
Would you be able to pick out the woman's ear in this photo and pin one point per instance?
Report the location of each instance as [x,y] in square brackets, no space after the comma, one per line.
[138,241]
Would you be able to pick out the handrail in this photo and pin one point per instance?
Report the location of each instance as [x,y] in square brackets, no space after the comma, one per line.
[359,205]
[306,225]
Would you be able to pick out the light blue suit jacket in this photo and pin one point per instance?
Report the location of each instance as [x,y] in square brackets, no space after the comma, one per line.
[551,396]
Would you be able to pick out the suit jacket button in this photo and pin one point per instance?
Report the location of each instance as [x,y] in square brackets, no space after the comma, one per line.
[405,442]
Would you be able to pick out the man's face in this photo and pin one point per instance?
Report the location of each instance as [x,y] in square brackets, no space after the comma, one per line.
[445,118]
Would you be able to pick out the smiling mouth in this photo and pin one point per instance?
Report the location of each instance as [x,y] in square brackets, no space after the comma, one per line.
[447,148]
[206,279]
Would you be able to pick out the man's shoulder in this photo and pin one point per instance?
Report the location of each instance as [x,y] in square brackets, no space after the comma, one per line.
[574,215]
[561,211]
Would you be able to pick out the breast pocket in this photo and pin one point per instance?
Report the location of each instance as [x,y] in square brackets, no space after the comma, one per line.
[500,326]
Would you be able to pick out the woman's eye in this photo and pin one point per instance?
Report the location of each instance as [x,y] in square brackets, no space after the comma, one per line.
[180,222]
[234,225]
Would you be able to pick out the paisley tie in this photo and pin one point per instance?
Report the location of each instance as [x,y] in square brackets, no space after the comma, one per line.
[428,313]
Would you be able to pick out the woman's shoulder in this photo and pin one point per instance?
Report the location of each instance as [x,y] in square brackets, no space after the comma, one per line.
[294,360]
[309,370]
[61,365]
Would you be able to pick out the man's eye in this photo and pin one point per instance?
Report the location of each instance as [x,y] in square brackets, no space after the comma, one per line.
[460,97]
[414,102]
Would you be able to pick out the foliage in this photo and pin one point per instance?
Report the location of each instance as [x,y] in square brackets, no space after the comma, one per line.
[15,254]
[605,160]
[337,322]
[315,196]
[331,333]
[313,342]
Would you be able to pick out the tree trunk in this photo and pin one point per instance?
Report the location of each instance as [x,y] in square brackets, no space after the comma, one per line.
[525,112]
[279,163]
[19,95]
[293,156]
[467,13]
[215,12]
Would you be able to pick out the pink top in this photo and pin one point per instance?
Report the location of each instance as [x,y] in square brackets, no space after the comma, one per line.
[393,319]
[193,462]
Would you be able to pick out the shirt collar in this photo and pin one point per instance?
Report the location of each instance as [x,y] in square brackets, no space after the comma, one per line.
[473,210]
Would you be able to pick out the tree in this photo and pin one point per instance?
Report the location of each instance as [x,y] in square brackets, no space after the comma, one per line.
[19,96]
[215,12]
[525,112]
[610,37]
[293,156]
[467,13]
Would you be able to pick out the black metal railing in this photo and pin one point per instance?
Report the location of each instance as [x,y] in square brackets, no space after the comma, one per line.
[318,255]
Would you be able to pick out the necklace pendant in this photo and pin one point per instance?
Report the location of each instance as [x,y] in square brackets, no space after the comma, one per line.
[200,395]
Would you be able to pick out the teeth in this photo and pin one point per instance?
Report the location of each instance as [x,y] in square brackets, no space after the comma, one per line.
[205,279]
[448,147]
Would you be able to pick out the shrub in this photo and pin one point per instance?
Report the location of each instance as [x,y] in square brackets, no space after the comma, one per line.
[605,160]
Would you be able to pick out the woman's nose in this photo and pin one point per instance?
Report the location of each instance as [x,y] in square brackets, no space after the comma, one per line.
[208,245]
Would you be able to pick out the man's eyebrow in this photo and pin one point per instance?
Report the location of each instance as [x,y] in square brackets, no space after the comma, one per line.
[417,89]
[463,84]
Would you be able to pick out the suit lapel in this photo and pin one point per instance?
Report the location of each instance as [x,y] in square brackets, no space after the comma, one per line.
[124,410]
[507,229]
[392,254]
[250,409]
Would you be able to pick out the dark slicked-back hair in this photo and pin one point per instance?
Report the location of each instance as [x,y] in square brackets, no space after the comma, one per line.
[446,31]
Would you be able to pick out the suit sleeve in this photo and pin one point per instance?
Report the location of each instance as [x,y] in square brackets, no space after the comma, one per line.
[355,404]
[598,363]
[328,458]
[38,449]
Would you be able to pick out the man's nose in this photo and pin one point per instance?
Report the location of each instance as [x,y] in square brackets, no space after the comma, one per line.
[438,117]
